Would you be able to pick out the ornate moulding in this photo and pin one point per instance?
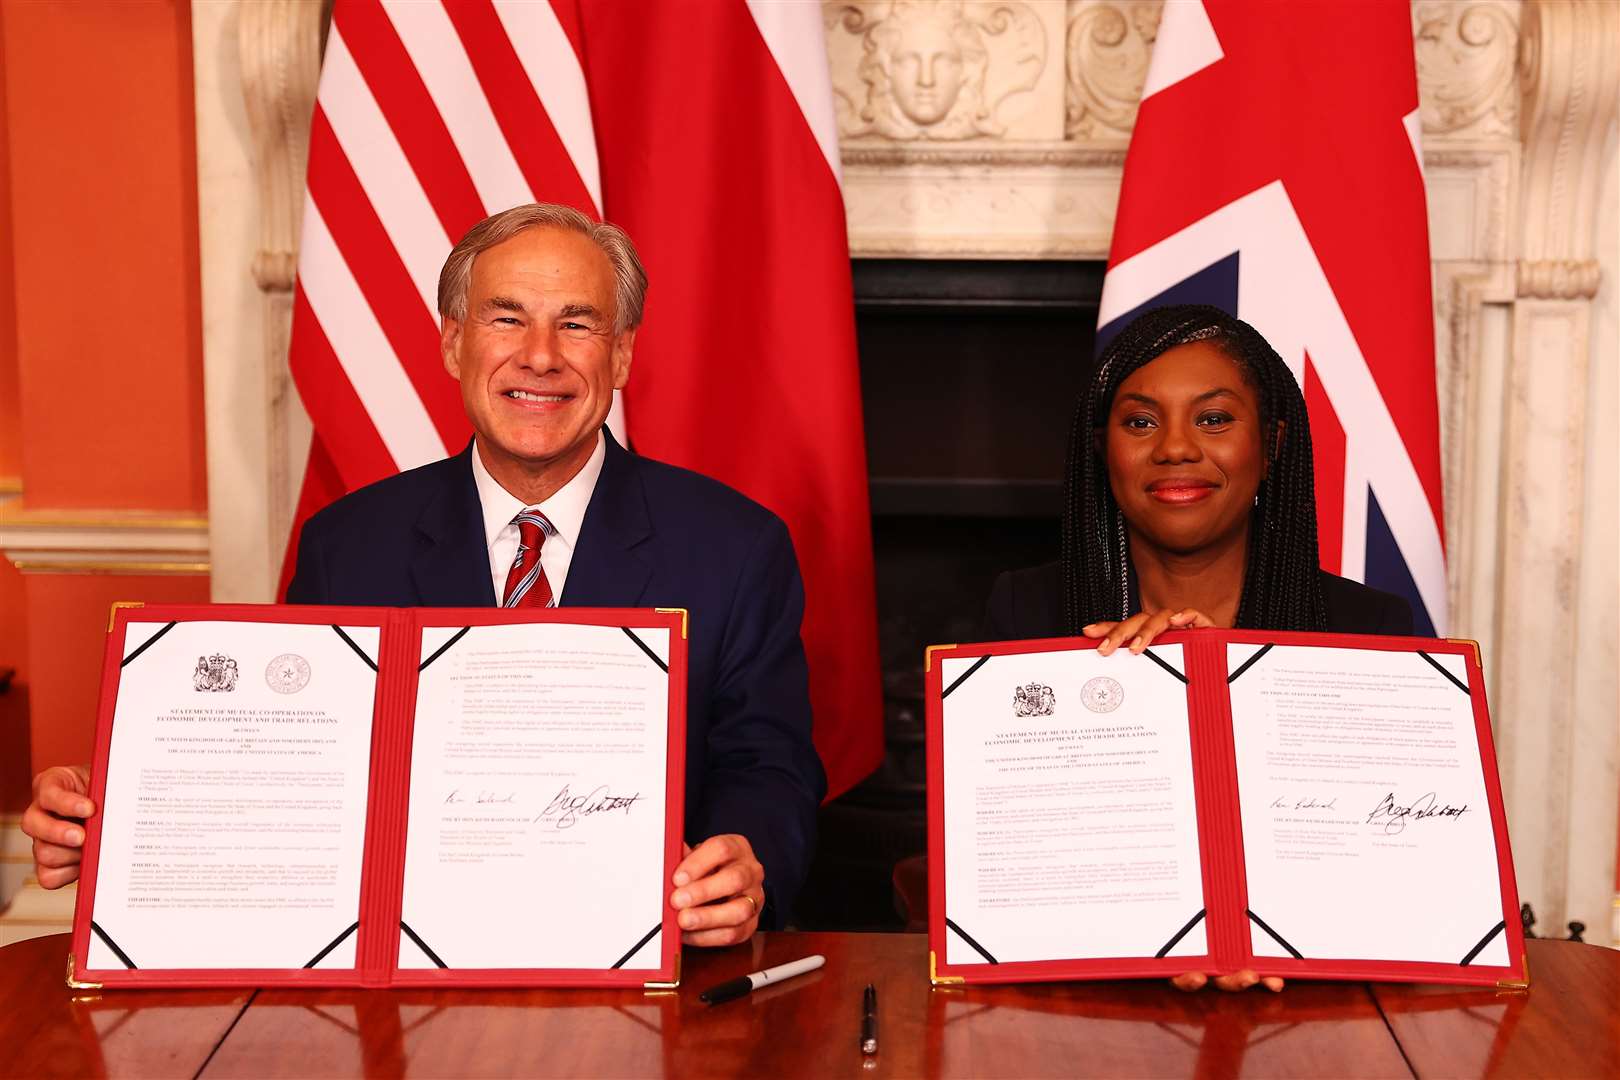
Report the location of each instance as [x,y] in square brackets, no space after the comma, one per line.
[1027,202]
[1107,51]
[1559,754]
[279,44]
[103,541]
[1037,174]
[1466,68]
[927,71]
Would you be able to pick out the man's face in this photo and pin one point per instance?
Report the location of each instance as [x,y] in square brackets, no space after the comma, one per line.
[537,356]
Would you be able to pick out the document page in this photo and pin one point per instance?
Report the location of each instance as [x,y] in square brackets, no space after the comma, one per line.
[538,802]
[1366,830]
[234,816]
[1071,830]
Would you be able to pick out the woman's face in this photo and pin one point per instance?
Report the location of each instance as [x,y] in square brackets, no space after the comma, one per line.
[1184,449]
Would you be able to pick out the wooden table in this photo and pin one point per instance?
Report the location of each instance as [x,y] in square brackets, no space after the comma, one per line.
[1567,1025]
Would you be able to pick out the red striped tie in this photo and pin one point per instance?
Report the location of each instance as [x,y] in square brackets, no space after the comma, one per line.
[526,584]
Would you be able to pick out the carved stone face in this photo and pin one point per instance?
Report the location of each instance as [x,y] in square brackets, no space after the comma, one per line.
[926,69]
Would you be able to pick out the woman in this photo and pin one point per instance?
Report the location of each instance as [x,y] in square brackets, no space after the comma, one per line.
[1188,501]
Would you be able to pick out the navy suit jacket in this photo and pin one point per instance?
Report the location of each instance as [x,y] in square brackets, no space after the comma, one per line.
[653,536]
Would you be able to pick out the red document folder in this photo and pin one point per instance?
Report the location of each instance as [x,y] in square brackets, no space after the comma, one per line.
[378,929]
[1228,916]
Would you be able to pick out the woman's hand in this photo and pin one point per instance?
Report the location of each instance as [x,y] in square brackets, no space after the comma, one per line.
[1140,629]
[1238,980]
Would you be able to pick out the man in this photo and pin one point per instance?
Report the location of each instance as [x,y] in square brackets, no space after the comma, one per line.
[540,307]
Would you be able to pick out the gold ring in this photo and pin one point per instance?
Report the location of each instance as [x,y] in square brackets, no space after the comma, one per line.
[752,901]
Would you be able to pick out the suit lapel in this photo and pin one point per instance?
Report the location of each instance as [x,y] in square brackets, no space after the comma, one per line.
[613,563]
[451,563]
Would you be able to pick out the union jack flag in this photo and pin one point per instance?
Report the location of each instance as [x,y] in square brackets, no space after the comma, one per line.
[1275,171]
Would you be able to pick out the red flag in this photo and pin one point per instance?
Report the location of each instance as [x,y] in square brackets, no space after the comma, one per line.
[746,370]
[710,139]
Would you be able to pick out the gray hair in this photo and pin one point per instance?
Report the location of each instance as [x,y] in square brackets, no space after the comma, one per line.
[614,242]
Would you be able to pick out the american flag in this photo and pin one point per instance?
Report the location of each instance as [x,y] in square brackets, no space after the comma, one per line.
[707,132]
[1275,171]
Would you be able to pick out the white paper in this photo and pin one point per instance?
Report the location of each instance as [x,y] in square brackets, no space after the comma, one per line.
[234,816]
[1071,831]
[537,807]
[1366,830]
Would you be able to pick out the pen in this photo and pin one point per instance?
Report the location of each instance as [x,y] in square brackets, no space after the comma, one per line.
[732,988]
[869,1020]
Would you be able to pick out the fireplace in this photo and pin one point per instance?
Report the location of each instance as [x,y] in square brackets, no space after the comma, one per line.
[969,371]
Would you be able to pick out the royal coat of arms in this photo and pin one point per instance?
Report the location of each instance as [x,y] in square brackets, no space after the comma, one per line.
[1034,700]
[215,674]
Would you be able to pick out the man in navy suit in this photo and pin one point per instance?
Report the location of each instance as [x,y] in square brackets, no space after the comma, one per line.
[540,307]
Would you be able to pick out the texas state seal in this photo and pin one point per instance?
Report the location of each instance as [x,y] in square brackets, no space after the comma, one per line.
[1102,694]
[287,673]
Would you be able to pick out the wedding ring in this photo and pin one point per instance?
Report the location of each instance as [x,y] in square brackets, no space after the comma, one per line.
[752,901]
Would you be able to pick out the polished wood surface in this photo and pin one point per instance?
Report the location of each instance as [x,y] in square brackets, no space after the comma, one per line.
[47,1030]
[1567,1025]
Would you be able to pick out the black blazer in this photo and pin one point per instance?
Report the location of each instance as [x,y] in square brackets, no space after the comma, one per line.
[653,536]
[1029,604]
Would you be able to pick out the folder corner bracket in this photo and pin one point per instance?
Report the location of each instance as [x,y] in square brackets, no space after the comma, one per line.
[72,971]
[935,978]
[112,612]
[654,987]
[675,611]
[928,655]
[1521,986]
[1472,644]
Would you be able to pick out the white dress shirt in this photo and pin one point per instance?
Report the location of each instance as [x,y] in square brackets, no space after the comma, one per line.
[565,510]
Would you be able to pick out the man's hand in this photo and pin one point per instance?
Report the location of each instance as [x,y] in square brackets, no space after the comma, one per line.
[1238,980]
[719,890]
[55,822]
[1140,629]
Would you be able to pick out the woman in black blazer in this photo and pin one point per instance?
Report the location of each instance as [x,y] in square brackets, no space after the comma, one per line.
[1189,500]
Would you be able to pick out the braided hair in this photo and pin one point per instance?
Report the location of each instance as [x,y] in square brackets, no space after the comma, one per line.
[1280,586]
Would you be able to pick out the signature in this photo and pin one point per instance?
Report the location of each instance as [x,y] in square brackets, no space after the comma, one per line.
[1395,817]
[457,797]
[566,808]
[1305,802]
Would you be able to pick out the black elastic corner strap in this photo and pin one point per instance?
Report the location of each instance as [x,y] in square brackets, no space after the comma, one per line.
[1465,961]
[650,655]
[1459,684]
[125,663]
[1162,662]
[963,934]
[423,667]
[420,944]
[102,934]
[1249,663]
[983,660]
[648,936]
[358,651]
[1261,923]
[1183,932]
[318,957]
